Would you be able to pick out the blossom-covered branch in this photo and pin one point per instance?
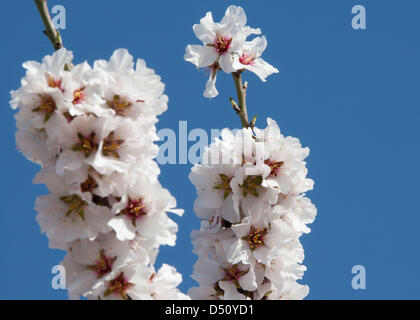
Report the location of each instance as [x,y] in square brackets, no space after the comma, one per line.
[251,185]
[92,130]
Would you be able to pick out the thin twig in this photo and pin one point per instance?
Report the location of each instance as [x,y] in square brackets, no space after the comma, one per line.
[234,105]
[241,93]
[252,123]
[50,30]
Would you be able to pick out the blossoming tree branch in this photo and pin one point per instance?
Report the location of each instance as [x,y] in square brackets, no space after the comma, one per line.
[92,130]
[251,198]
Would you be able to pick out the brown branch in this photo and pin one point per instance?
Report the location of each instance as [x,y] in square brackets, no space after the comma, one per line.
[241,93]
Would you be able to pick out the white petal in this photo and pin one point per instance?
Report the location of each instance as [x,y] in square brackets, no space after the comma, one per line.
[200,56]
[226,62]
[205,30]
[230,292]
[262,69]
[211,91]
[123,229]
[121,61]
[235,15]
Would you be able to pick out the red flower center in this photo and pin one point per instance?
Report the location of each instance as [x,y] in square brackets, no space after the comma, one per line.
[222,44]
[53,83]
[135,209]
[79,95]
[247,59]
[119,286]
[275,167]
[233,273]
[103,264]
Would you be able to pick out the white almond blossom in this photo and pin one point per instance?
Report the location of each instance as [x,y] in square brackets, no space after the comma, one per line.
[129,283]
[283,160]
[122,143]
[221,42]
[164,284]
[82,89]
[67,217]
[129,90]
[88,263]
[225,48]
[32,142]
[142,211]
[249,57]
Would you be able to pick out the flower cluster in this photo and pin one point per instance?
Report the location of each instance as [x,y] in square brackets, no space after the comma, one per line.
[92,129]
[225,48]
[251,199]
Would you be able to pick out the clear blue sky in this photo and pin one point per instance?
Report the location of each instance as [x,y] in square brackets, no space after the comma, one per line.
[351,96]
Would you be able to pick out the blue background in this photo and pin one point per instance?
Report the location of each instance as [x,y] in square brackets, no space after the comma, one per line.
[351,96]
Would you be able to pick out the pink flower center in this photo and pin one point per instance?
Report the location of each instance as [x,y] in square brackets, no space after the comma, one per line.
[79,95]
[53,83]
[87,144]
[233,273]
[68,116]
[119,286]
[256,237]
[103,264]
[135,209]
[222,44]
[275,167]
[119,104]
[247,59]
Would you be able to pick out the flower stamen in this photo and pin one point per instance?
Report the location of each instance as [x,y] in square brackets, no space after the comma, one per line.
[275,167]
[250,185]
[222,44]
[88,185]
[79,95]
[224,184]
[119,285]
[111,145]
[135,209]
[255,238]
[46,106]
[53,83]
[119,105]
[102,265]
[233,273]
[76,205]
[68,116]
[87,144]
[247,59]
